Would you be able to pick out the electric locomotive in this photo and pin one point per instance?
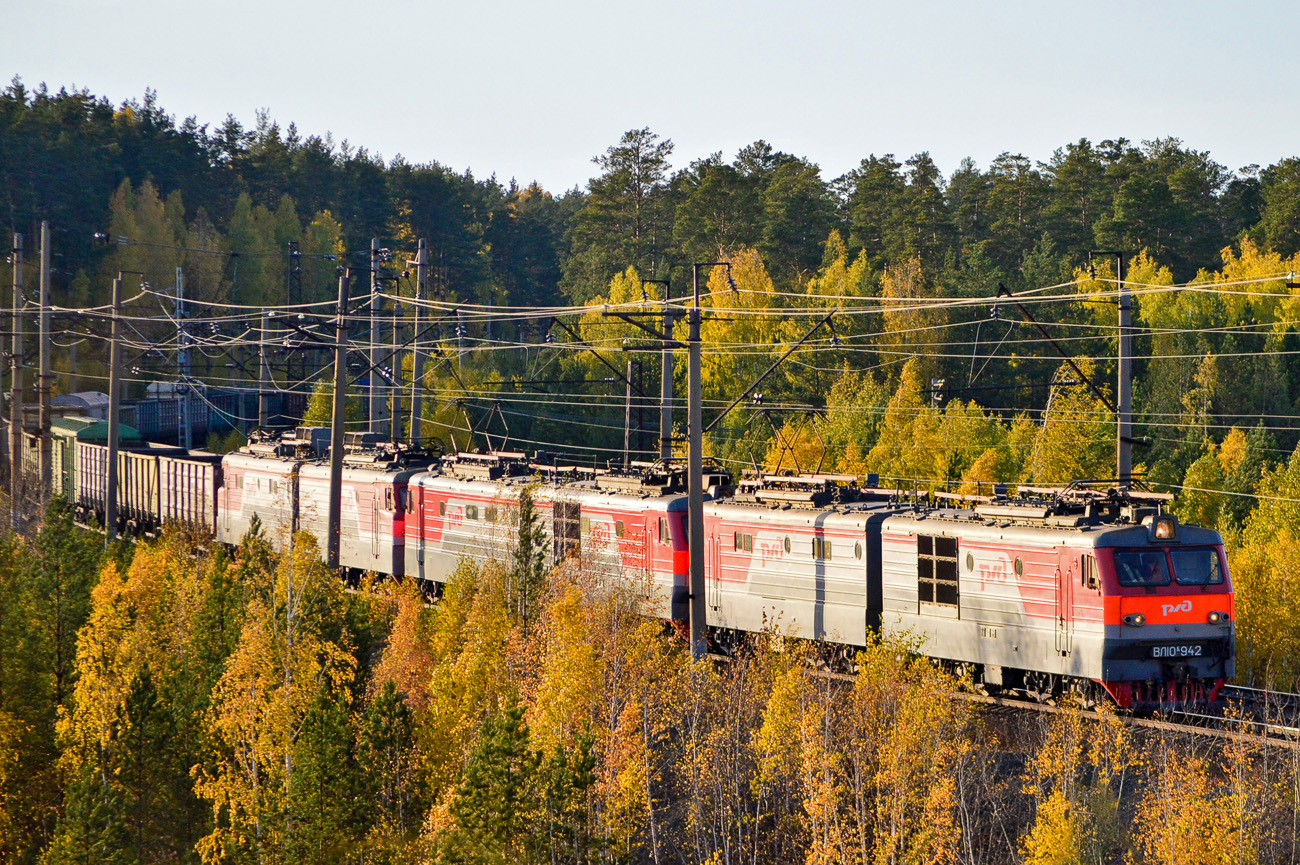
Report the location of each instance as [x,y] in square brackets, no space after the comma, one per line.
[1075,591]
[1081,592]
[632,526]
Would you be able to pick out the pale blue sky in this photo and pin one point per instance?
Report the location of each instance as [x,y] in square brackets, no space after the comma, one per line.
[533,90]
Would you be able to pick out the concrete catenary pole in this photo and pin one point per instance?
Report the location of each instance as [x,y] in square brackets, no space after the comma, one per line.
[1124,437]
[374,392]
[417,356]
[45,375]
[264,373]
[183,363]
[16,393]
[695,472]
[114,403]
[337,423]
[395,358]
[627,418]
[666,390]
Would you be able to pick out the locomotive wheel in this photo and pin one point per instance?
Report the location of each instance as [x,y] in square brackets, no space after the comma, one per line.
[963,672]
[1084,693]
[1041,686]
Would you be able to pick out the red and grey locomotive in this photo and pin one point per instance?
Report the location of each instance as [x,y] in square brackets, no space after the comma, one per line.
[1068,591]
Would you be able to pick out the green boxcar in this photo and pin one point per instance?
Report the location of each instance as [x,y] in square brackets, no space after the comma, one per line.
[66,432]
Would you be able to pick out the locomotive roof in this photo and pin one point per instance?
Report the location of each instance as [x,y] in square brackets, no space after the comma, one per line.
[586,493]
[388,472]
[850,516]
[968,523]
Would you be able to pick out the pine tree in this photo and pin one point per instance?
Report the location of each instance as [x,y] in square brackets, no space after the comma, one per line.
[528,576]
[322,823]
[494,806]
[388,764]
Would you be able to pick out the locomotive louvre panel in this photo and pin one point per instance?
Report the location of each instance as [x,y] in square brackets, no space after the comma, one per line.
[566,527]
[937,575]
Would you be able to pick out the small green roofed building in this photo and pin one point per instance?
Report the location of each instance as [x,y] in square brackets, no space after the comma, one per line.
[66,432]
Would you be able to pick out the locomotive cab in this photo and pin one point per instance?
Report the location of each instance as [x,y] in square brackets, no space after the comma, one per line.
[1169,616]
[1070,594]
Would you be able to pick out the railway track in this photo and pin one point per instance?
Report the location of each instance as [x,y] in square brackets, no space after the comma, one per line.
[1266,716]
[1209,724]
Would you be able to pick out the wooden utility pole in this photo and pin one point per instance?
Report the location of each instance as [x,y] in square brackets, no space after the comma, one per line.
[417,357]
[45,377]
[114,403]
[16,393]
[337,423]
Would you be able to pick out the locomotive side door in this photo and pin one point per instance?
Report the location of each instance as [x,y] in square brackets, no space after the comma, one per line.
[418,490]
[712,571]
[374,521]
[1064,605]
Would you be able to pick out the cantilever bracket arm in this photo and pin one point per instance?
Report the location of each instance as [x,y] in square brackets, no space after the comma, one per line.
[1003,291]
[664,338]
[747,391]
[617,374]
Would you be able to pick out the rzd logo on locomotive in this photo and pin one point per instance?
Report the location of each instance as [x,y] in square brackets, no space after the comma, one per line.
[1184,607]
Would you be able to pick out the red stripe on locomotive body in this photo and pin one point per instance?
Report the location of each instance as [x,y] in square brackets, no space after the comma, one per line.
[399,513]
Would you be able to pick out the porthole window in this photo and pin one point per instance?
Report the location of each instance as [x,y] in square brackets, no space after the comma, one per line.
[491,514]
[857,550]
[442,509]
[1020,567]
[787,543]
[618,528]
[471,512]
[970,562]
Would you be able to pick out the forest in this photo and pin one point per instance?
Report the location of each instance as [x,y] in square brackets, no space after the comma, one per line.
[162,706]
[155,705]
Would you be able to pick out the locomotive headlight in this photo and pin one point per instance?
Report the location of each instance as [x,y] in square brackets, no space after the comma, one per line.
[1165,527]
[1216,618]
[1136,620]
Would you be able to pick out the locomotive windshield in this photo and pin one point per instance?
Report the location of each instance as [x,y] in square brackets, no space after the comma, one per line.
[1142,568]
[1197,567]
[1193,566]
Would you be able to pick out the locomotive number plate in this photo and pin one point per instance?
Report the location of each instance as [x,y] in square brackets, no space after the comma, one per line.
[1183,651]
